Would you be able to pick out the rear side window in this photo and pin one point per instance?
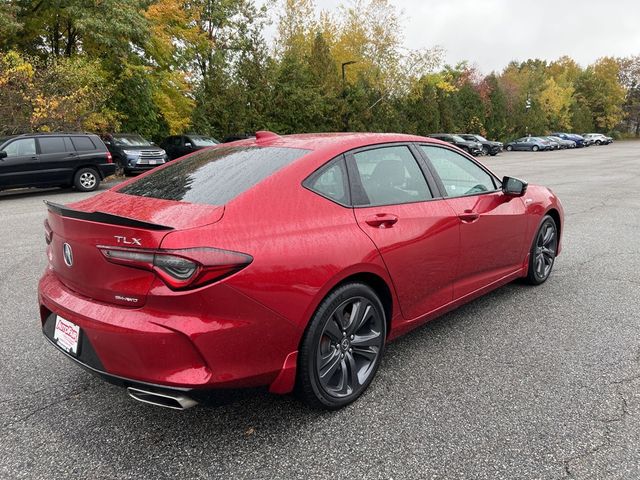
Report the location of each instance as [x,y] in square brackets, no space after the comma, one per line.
[389,176]
[330,181]
[52,145]
[83,143]
[214,176]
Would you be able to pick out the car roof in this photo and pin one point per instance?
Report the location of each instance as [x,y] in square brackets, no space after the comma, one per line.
[330,142]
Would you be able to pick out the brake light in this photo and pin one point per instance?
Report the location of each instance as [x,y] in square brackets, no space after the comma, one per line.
[109,157]
[180,269]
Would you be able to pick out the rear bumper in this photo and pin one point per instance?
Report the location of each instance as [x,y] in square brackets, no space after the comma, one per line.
[151,346]
[107,169]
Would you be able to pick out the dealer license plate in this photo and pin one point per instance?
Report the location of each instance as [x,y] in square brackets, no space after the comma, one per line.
[66,335]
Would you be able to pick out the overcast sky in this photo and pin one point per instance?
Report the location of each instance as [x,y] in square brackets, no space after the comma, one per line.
[491,33]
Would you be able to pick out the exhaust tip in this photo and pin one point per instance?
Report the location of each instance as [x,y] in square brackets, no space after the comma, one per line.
[166,400]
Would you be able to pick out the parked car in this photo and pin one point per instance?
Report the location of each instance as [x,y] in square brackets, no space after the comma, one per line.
[238,136]
[473,147]
[189,299]
[54,160]
[562,142]
[180,145]
[533,144]
[133,153]
[551,144]
[488,147]
[573,137]
[598,138]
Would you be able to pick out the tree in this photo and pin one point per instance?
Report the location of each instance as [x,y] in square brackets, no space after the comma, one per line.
[599,89]
[630,80]
[105,29]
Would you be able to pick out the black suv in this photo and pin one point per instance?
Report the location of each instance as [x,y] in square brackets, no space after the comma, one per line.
[180,145]
[488,147]
[133,153]
[54,160]
[474,148]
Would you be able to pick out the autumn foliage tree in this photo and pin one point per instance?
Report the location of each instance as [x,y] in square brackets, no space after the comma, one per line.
[159,67]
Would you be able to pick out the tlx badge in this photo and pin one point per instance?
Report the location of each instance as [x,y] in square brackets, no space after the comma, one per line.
[127,240]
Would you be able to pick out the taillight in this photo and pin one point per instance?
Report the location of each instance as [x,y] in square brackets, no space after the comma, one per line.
[48,233]
[181,269]
[109,157]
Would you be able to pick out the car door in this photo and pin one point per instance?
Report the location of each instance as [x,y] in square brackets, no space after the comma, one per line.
[57,159]
[87,151]
[415,231]
[189,145]
[492,225]
[20,167]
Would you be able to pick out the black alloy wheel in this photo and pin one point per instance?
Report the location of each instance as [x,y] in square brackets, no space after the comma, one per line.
[543,252]
[342,348]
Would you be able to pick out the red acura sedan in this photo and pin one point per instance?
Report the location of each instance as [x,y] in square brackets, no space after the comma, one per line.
[283,262]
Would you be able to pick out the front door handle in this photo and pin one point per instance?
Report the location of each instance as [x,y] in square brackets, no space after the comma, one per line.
[469,216]
[381,220]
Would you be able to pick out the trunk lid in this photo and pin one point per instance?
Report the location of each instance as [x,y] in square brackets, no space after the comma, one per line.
[115,220]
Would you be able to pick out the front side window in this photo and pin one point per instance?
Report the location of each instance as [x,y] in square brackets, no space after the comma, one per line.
[21,147]
[459,175]
[213,176]
[388,176]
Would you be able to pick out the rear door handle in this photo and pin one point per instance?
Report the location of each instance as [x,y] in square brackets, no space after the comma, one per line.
[469,216]
[381,220]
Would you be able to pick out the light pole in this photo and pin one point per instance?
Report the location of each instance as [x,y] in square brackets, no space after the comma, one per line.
[527,107]
[345,116]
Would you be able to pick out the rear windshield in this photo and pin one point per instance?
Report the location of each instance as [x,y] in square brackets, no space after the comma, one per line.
[213,176]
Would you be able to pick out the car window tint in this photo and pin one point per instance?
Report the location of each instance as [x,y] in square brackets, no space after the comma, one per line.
[213,176]
[68,145]
[331,182]
[21,147]
[83,143]
[459,175]
[390,175]
[52,145]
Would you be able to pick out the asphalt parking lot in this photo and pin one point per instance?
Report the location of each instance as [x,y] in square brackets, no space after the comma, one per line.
[526,383]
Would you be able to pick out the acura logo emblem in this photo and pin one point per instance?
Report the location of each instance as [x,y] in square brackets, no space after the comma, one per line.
[67,254]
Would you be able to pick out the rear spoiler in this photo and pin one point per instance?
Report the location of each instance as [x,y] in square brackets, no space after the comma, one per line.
[102,217]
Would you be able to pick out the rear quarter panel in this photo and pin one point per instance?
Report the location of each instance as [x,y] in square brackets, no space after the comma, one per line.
[302,244]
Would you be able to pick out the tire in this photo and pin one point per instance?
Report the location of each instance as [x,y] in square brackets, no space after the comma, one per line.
[509,148]
[337,361]
[535,148]
[86,180]
[543,251]
[486,151]
[598,142]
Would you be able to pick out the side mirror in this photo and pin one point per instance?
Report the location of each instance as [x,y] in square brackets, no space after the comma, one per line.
[188,144]
[513,187]
[107,142]
[3,154]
